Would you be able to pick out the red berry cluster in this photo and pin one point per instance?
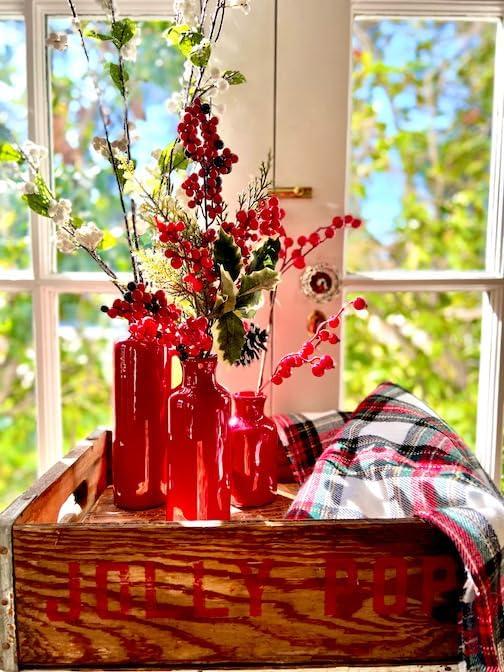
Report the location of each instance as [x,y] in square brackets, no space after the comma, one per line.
[202,144]
[306,244]
[193,337]
[306,354]
[195,258]
[149,314]
[252,225]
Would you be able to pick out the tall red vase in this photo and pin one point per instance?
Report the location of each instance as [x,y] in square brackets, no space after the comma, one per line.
[198,463]
[253,440]
[142,389]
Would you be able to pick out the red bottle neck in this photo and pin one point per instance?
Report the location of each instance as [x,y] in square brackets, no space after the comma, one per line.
[198,372]
[249,405]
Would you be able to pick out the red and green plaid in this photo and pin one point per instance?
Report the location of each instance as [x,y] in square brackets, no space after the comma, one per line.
[304,437]
[395,458]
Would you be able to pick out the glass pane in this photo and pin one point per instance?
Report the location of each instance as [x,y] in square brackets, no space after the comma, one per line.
[18,459]
[427,342]
[80,173]
[86,346]
[14,236]
[422,110]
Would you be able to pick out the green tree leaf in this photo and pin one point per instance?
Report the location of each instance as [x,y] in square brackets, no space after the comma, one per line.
[123,31]
[93,34]
[37,203]
[234,77]
[10,154]
[172,157]
[265,256]
[119,81]
[257,281]
[230,337]
[228,254]
[200,54]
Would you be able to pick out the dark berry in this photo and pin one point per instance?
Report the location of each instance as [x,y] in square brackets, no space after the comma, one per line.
[219,144]
[128,297]
[104,309]
[131,286]
[218,161]
[205,108]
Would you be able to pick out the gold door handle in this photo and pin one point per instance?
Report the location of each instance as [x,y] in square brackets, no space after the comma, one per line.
[292,192]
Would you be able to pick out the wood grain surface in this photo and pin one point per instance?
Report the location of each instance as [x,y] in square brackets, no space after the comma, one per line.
[297,592]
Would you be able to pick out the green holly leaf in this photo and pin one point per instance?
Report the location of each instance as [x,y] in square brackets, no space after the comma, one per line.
[228,254]
[172,157]
[258,281]
[119,81]
[230,337]
[234,77]
[123,31]
[248,305]
[228,292]
[265,256]
[9,154]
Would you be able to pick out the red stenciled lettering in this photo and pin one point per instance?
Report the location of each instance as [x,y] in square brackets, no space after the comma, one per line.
[341,597]
[72,614]
[199,599]
[398,606]
[103,569]
[254,582]
[152,608]
[439,576]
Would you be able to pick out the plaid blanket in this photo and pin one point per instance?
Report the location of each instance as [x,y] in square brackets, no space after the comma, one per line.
[395,458]
[303,439]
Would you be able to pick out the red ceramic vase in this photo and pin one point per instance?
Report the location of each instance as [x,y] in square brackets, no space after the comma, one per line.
[198,463]
[142,388]
[253,440]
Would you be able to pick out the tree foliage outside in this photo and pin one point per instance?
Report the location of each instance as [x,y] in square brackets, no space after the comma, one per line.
[421,153]
[422,110]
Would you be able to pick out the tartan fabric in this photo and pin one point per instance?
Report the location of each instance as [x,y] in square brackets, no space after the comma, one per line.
[395,458]
[304,437]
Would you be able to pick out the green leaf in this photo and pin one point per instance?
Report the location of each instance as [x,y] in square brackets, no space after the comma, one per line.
[230,337]
[10,154]
[265,279]
[37,203]
[178,161]
[188,41]
[234,77]
[228,254]
[43,189]
[174,32]
[123,31]
[228,293]
[248,305]
[115,73]
[104,37]
[200,55]
[265,256]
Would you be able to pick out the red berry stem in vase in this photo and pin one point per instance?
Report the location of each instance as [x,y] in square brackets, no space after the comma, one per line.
[307,353]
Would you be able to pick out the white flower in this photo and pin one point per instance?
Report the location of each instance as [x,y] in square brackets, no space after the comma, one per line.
[100,146]
[58,41]
[65,242]
[214,72]
[222,85]
[76,24]
[89,236]
[34,153]
[244,5]
[129,50]
[121,144]
[59,211]
[30,188]
[175,103]
[188,11]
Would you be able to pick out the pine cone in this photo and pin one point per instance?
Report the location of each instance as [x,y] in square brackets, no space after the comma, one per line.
[255,343]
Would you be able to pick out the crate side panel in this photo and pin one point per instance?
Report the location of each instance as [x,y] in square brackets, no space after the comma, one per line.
[342,592]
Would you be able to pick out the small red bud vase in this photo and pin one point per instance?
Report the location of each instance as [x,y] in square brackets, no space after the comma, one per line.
[142,388]
[199,462]
[253,440]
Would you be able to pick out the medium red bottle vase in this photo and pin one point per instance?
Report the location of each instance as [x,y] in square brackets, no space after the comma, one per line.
[198,462]
[253,440]
[142,389]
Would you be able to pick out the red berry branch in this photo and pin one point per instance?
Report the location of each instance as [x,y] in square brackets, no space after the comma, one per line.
[306,354]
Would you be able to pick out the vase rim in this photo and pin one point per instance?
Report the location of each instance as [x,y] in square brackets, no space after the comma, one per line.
[248,395]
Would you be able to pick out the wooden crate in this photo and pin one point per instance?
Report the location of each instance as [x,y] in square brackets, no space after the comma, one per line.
[113,589]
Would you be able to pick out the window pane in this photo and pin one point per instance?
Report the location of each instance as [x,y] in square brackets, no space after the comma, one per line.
[86,346]
[427,342]
[422,110]
[18,461]
[80,173]
[14,240]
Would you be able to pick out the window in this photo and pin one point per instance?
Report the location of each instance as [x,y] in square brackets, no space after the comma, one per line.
[422,166]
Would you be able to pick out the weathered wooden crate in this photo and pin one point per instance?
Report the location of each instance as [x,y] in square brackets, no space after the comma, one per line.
[111,589]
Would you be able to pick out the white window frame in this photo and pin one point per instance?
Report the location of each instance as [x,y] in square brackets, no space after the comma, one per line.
[45,284]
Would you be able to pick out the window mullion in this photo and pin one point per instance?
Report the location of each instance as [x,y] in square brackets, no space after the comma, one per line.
[45,300]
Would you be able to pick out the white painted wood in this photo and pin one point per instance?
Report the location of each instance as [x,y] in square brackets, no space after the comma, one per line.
[422,281]
[453,9]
